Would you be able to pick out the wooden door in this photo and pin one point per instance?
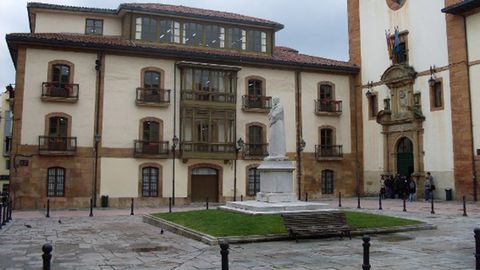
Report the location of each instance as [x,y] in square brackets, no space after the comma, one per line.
[204,184]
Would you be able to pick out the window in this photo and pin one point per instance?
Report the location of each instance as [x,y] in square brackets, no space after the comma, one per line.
[7,164]
[150,182]
[326,96]
[146,29]
[94,27]
[192,34]
[255,93]
[151,131]
[253,182]
[60,75]
[327,182]
[56,182]
[256,41]
[255,145]
[237,38]
[58,126]
[326,137]
[169,31]
[372,106]
[214,36]
[436,95]
[151,79]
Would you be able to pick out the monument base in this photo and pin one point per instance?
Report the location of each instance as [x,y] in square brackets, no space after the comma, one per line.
[276,197]
[266,208]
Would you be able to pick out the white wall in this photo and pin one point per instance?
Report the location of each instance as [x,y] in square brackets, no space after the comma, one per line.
[473,30]
[56,22]
[311,122]
[35,110]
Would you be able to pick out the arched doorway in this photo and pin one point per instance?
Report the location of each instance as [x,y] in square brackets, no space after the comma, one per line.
[204,184]
[405,157]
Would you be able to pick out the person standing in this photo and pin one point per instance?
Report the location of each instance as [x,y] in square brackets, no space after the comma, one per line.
[412,190]
[429,186]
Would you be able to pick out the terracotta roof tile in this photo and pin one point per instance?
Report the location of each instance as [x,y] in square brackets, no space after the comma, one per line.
[281,55]
[188,11]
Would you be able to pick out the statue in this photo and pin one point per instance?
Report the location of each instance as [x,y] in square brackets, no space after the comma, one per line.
[277,147]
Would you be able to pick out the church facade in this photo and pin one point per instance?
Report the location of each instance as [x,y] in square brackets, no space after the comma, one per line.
[419,84]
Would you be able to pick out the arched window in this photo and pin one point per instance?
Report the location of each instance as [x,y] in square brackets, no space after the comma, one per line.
[326,137]
[327,182]
[60,75]
[326,97]
[57,133]
[255,93]
[151,79]
[255,143]
[253,181]
[56,182]
[150,182]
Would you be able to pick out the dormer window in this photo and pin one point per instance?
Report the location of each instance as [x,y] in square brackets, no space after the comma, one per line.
[169,31]
[146,29]
[214,36]
[94,27]
[192,34]
[237,39]
[256,41]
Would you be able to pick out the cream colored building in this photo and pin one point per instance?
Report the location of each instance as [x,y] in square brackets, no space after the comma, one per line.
[6,135]
[419,100]
[153,101]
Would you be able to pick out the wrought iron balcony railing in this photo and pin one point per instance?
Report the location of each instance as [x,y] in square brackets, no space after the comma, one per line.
[60,92]
[57,145]
[208,147]
[256,102]
[252,150]
[208,96]
[153,96]
[328,106]
[328,151]
[157,149]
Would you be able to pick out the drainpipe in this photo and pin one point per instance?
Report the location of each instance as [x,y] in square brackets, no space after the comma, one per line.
[298,116]
[174,129]
[474,166]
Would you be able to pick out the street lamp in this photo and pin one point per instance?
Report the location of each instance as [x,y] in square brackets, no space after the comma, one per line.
[238,148]
[174,145]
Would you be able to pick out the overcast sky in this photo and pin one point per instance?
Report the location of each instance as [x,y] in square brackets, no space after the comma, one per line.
[316,27]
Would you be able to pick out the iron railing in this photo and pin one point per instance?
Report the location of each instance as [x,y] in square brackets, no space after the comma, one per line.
[252,150]
[256,102]
[328,105]
[152,96]
[67,145]
[328,151]
[151,148]
[208,96]
[208,147]
[64,91]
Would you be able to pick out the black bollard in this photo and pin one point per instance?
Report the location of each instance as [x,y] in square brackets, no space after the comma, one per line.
[224,252]
[11,210]
[477,248]
[47,256]
[4,217]
[464,206]
[358,201]
[169,205]
[206,203]
[1,216]
[366,253]
[48,209]
[7,211]
[433,207]
[131,209]
[91,207]
[306,196]
[380,201]
[241,198]
[339,199]
[404,204]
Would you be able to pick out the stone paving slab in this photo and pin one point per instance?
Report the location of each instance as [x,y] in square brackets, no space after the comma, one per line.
[113,241]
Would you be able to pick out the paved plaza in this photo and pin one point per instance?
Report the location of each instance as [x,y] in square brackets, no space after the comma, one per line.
[112,239]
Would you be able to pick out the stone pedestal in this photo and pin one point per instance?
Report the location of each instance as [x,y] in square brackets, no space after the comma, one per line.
[276,185]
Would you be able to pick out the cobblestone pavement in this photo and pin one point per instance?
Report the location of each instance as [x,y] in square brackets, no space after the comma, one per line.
[113,240]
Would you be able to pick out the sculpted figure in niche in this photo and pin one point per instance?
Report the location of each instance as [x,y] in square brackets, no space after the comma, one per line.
[277,147]
[403,101]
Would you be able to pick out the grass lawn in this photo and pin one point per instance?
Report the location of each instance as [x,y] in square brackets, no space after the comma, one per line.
[221,223]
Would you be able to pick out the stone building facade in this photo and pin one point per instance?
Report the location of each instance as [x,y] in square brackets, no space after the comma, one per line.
[153,101]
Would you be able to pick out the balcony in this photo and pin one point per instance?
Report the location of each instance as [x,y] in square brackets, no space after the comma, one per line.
[151,149]
[153,97]
[328,152]
[62,146]
[328,107]
[64,93]
[256,103]
[204,98]
[255,151]
[219,151]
